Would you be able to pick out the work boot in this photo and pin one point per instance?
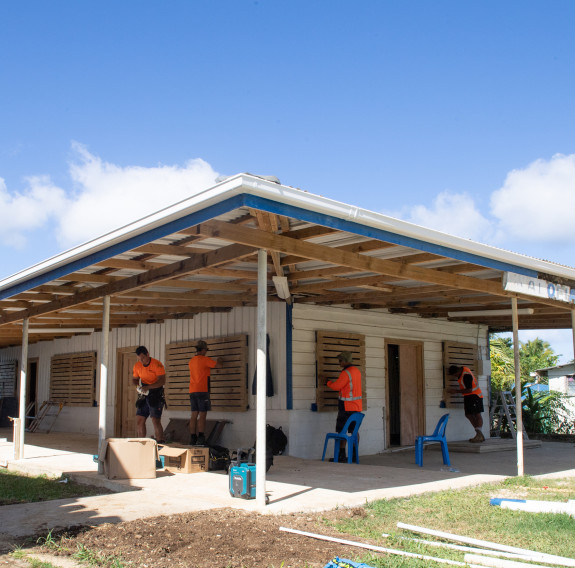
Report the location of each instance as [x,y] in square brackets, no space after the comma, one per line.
[201,440]
[340,459]
[475,439]
[193,439]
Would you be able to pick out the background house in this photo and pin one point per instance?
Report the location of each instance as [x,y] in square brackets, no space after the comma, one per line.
[561,378]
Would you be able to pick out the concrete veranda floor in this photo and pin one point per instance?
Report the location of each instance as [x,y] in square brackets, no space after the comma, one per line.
[293,484]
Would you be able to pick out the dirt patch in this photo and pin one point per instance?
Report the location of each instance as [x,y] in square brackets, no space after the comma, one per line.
[219,538]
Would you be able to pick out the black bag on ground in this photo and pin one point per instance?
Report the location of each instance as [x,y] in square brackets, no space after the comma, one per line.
[276,440]
[219,458]
[269,455]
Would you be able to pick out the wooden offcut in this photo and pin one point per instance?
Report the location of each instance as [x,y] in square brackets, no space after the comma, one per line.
[328,345]
[228,384]
[73,378]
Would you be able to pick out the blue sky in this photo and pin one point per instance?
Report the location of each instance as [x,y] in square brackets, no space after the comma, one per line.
[455,115]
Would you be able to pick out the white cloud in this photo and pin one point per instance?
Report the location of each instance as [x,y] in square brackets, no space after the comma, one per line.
[28,210]
[534,205]
[537,203]
[108,196]
[453,213]
[104,197]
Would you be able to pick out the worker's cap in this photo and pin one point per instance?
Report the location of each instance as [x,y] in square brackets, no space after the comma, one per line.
[453,370]
[201,345]
[345,356]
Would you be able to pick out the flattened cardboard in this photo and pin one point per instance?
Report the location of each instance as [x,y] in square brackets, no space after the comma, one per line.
[185,459]
[129,458]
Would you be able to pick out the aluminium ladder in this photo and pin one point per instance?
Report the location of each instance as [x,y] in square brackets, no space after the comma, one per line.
[48,410]
[505,407]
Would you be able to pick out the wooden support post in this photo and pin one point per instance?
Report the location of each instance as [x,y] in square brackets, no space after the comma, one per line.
[23,373]
[103,402]
[261,379]
[518,400]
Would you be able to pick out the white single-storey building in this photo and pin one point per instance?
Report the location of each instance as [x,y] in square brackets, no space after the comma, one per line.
[561,378]
[406,300]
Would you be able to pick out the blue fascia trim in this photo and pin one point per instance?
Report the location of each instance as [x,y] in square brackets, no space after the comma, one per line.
[380,234]
[288,352]
[156,233]
[264,204]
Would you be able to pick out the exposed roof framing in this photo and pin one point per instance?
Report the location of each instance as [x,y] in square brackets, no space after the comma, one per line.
[200,255]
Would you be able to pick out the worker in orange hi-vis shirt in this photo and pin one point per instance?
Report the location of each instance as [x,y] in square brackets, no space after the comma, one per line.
[200,367]
[149,376]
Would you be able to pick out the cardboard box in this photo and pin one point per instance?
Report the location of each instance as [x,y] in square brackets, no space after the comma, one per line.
[185,459]
[129,458]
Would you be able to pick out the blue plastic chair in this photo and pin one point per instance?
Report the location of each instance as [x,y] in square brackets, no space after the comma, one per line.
[352,440]
[437,436]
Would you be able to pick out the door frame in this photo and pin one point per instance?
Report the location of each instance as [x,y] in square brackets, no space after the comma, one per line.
[120,352]
[420,384]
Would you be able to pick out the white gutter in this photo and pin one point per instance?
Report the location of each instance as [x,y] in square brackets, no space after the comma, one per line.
[245,183]
[368,218]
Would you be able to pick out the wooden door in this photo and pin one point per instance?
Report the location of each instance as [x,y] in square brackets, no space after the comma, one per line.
[125,422]
[405,416]
[410,395]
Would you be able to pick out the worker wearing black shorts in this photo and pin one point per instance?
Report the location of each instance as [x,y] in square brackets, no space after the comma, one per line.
[472,399]
[200,367]
[149,377]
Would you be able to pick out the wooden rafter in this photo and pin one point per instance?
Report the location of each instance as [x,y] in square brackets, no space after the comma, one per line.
[178,269]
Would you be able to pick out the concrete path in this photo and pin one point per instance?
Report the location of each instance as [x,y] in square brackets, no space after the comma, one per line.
[293,485]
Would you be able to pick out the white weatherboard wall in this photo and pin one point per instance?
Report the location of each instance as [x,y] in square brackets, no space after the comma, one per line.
[307,429]
[155,337]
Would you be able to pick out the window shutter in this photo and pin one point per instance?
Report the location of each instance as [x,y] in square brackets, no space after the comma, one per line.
[228,385]
[8,378]
[73,378]
[328,345]
[462,355]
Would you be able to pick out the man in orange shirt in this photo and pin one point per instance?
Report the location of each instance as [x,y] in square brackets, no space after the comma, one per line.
[472,399]
[350,394]
[200,368]
[149,376]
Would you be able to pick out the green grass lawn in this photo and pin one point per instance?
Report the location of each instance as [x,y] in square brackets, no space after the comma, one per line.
[18,488]
[467,512]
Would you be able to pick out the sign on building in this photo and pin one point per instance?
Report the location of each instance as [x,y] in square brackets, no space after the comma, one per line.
[537,287]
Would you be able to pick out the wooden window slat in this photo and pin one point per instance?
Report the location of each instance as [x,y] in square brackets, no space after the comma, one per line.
[228,385]
[8,378]
[328,345]
[462,355]
[73,378]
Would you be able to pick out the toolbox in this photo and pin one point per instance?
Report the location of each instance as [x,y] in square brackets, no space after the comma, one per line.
[242,474]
